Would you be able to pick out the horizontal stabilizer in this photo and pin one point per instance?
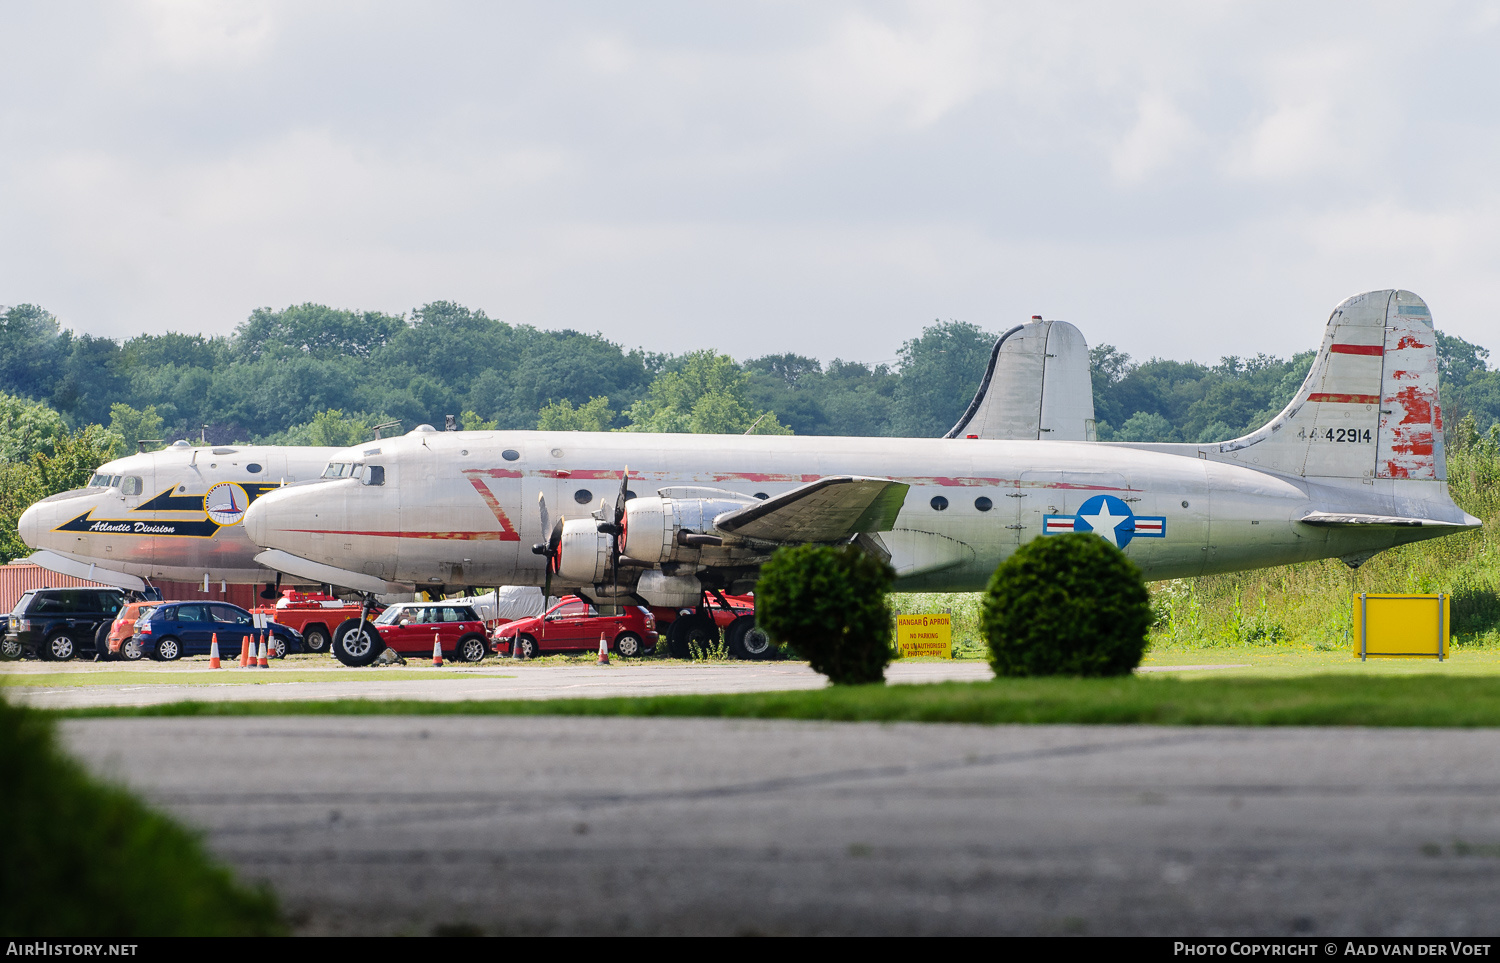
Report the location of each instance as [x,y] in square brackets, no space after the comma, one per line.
[1350,519]
[830,509]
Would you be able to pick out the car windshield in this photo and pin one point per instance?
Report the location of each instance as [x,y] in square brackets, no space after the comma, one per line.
[392,614]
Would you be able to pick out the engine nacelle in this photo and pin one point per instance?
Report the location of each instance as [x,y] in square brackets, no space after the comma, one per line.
[583,555]
[652,524]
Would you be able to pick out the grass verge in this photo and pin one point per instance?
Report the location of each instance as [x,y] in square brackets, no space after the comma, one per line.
[1319,700]
[89,859]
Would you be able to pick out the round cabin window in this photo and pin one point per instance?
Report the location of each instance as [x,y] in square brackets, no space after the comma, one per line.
[583,496]
[983,504]
[253,468]
[510,454]
[939,503]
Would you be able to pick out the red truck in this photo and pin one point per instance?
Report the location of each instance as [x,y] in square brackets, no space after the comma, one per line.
[313,614]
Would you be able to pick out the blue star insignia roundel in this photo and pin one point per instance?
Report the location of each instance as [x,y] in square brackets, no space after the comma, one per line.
[1108,517]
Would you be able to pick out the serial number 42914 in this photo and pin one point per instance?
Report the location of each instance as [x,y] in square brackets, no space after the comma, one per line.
[1347,435]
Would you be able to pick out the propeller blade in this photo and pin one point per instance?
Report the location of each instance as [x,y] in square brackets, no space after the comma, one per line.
[541,507]
[620,499]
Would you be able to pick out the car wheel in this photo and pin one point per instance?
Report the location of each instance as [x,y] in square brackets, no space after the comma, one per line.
[529,648]
[168,649]
[628,645]
[130,650]
[277,648]
[10,650]
[315,639]
[356,643]
[470,649]
[60,647]
[749,641]
[101,643]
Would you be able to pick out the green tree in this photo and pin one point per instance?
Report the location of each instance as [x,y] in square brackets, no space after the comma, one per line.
[31,350]
[332,428]
[593,415]
[1066,605]
[830,604]
[132,425]
[69,465]
[471,421]
[27,427]
[940,371]
[704,393]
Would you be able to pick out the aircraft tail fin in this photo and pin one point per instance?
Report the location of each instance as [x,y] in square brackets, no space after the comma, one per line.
[1368,409]
[1037,388]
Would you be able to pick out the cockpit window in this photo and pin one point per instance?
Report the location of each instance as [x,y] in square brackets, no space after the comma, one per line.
[338,469]
[101,480]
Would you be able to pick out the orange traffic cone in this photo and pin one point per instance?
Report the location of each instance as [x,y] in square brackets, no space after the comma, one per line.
[603,650]
[437,650]
[213,653]
[263,662]
[245,651]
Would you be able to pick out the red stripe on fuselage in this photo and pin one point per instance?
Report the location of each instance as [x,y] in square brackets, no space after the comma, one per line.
[465,536]
[1344,399]
[1370,349]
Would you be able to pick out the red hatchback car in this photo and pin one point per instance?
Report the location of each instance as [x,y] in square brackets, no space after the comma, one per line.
[410,628]
[574,625]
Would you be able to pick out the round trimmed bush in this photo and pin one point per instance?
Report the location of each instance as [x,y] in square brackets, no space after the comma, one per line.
[1066,605]
[829,605]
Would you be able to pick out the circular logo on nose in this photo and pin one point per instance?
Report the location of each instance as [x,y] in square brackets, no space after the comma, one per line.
[225,503]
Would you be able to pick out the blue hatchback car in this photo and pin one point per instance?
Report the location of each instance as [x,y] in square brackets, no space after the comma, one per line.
[175,629]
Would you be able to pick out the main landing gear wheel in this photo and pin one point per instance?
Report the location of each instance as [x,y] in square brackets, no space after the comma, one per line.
[356,643]
[749,641]
[629,645]
[470,649]
[690,631]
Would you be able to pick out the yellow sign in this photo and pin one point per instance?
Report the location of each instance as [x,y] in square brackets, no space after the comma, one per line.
[1392,626]
[925,635]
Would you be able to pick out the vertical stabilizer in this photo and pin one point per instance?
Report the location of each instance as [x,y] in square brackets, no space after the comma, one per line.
[1369,407]
[1036,388]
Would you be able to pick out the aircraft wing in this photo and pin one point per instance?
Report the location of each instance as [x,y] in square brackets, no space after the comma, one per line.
[1352,519]
[830,509]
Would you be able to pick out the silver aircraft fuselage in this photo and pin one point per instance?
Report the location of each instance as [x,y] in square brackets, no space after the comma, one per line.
[170,514]
[462,507]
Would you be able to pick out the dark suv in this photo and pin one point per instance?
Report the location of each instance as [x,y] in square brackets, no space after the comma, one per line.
[57,624]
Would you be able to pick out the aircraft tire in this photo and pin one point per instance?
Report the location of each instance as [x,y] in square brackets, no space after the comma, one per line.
[356,644]
[699,630]
[749,641]
[629,646]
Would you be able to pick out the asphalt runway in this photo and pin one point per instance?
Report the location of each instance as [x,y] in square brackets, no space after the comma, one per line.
[418,825]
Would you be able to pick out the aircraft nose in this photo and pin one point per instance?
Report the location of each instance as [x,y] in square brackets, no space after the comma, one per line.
[30,525]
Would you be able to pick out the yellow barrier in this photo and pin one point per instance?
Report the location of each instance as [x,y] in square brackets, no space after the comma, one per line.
[1401,626]
[929,635]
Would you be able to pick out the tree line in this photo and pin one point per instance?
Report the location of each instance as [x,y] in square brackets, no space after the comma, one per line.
[312,374]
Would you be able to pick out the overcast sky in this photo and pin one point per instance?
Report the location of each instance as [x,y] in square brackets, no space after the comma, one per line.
[1185,180]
